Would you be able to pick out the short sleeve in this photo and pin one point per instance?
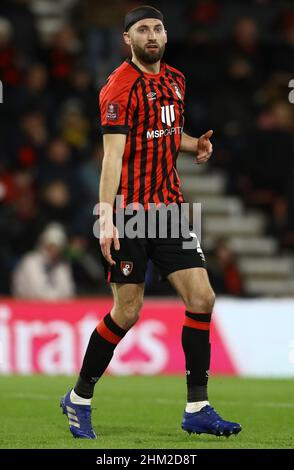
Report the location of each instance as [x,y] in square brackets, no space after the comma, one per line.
[115,108]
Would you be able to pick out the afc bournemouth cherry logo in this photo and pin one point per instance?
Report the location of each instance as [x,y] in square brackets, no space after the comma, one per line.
[126,267]
[177,90]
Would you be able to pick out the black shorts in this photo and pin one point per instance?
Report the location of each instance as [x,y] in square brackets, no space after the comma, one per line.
[168,254]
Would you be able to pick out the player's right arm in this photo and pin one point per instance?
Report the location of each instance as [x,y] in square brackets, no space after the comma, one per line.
[114,146]
[116,107]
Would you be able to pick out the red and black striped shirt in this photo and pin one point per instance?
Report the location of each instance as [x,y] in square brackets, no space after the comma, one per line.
[149,109]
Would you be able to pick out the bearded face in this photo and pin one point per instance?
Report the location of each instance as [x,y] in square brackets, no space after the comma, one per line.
[151,53]
[147,39]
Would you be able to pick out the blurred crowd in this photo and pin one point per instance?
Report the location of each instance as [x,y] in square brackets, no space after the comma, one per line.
[238,58]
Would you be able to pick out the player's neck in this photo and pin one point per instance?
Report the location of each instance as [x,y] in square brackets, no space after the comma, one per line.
[147,68]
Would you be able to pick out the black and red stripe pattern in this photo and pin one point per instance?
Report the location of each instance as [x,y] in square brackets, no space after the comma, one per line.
[101,346]
[196,346]
[110,331]
[199,321]
[149,109]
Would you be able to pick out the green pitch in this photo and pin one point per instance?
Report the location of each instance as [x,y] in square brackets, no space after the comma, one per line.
[145,412]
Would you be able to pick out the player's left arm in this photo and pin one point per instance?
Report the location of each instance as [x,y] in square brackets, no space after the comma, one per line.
[201,146]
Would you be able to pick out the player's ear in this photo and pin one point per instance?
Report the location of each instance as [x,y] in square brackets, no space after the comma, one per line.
[165,36]
[127,38]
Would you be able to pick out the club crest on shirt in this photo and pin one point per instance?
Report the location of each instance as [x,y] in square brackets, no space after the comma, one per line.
[177,90]
[126,267]
[112,111]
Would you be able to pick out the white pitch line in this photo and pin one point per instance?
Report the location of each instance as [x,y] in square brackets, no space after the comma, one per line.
[31,396]
[162,401]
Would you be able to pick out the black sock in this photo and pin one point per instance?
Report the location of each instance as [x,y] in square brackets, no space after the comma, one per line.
[196,346]
[102,344]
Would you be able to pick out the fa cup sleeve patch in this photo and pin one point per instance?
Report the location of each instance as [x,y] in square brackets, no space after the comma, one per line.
[112,112]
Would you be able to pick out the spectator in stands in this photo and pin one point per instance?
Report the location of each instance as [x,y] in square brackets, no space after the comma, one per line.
[75,127]
[18,208]
[281,53]
[11,61]
[10,72]
[58,181]
[224,272]
[265,182]
[87,270]
[103,36]
[34,92]
[43,273]
[20,15]
[25,145]
[81,89]
[60,58]
[55,203]
[89,175]
[57,163]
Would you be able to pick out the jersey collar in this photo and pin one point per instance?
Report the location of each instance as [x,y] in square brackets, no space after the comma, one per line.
[145,74]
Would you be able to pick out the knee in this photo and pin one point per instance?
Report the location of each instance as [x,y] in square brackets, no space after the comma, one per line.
[129,310]
[200,301]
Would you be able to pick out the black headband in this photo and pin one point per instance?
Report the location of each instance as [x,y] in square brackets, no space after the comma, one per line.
[141,13]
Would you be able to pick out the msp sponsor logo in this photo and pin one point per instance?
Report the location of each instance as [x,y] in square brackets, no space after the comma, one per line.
[112,113]
[151,96]
[157,133]
[177,90]
[126,267]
